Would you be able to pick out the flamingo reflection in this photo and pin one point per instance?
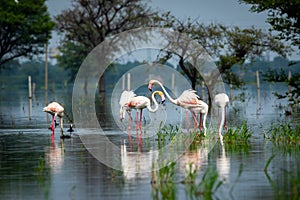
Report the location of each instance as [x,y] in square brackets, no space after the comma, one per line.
[137,163]
[223,163]
[55,156]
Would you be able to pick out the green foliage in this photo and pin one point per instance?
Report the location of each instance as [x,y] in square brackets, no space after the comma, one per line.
[191,173]
[17,76]
[284,135]
[281,75]
[238,139]
[167,134]
[163,182]
[240,135]
[283,16]
[208,185]
[25,28]
[88,23]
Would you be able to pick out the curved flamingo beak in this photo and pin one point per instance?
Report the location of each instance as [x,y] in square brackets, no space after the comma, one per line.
[150,87]
[163,99]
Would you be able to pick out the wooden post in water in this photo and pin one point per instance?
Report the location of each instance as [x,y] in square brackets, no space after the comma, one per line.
[30,97]
[173,82]
[128,81]
[202,90]
[289,78]
[258,92]
[46,79]
[123,82]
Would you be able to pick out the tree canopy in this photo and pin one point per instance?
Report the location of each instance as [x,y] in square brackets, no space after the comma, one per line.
[25,27]
[283,16]
[89,22]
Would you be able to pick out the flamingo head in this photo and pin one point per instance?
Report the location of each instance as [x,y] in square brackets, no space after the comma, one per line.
[161,94]
[122,114]
[150,85]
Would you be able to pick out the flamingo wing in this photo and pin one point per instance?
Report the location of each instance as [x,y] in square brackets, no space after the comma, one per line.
[126,97]
[139,102]
[188,97]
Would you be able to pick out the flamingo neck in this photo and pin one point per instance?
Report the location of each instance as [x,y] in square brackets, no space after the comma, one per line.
[222,119]
[166,93]
[155,104]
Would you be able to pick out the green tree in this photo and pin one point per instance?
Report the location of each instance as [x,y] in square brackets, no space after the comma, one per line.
[25,27]
[228,45]
[283,16]
[89,22]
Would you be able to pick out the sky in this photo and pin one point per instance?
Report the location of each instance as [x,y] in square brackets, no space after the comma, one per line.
[226,12]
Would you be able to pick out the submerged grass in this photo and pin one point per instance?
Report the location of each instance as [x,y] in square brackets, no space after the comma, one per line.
[238,139]
[284,135]
[164,183]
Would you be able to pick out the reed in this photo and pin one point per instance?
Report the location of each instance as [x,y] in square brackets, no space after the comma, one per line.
[283,134]
[238,139]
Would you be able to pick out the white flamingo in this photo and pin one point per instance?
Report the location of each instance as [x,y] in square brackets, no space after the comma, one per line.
[187,100]
[222,100]
[129,101]
[55,109]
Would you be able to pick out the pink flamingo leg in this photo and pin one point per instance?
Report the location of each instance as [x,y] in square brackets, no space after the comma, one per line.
[195,121]
[52,126]
[141,116]
[200,122]
[136,121]
[187,120]
[130,122]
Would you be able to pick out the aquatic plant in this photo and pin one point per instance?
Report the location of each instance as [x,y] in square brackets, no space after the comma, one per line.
[190,173]
[238,139]
[290,189]
[208,185]
[240,134]
[167,133]
[284,135]
[163,182]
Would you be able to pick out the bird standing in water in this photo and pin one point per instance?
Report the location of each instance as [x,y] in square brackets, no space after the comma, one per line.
[55,109]
[129,101]
[188,100]
[222,100]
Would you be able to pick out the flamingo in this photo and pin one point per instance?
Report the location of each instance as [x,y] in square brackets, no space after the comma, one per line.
[129,101]
[187,100]
[55,109]
[222,100]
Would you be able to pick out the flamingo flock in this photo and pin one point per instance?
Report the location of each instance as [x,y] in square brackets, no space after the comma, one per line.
[188,100]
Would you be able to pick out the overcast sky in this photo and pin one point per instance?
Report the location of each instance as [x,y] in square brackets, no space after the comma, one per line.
[227,12]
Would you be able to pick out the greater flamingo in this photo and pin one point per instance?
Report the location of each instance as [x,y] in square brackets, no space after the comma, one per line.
[187,100]
[55,109]
[129,101]
[222,100]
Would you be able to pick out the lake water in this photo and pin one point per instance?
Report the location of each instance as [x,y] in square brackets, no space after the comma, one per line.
[35,166]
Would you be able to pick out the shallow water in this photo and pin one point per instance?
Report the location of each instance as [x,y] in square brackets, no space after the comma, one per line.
[35,166]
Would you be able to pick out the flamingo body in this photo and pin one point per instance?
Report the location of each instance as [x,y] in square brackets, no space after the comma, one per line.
[222,100]
[55,109]
[187,100]
[129,101]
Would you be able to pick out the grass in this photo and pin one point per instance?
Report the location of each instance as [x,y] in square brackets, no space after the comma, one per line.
[284,135]
[238,139]
[164,183]
[287,185]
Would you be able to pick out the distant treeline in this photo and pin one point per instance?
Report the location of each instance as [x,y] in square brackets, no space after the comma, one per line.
[15,75]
